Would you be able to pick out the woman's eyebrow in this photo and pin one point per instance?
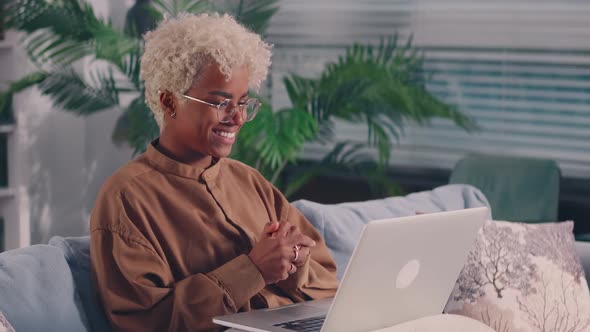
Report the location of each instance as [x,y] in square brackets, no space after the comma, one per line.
[221,93]
[225,94]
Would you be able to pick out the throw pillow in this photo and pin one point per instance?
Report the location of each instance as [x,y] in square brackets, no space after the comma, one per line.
[524,277]
[4,325]
[37,291]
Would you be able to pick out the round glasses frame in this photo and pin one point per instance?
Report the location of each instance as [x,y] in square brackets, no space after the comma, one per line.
[225,113]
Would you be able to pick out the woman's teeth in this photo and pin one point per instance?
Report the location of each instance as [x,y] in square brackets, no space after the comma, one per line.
[225,133]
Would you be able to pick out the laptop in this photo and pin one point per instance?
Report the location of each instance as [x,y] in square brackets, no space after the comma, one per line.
[401,269]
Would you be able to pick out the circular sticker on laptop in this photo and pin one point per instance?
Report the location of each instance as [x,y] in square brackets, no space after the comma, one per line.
[407,274]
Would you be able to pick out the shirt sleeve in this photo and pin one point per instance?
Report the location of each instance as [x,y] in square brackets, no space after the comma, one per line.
[138,290]
[316,279]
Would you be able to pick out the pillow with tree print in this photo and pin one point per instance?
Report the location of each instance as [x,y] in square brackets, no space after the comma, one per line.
[524,278]
[4,325]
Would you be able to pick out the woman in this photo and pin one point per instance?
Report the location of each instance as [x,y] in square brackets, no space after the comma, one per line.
[182,234]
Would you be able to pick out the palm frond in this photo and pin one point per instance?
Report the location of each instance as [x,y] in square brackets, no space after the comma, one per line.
[33,15]
[326,132]
[15,87]
[347,153]
[284,136]
[27,81]
[136,126]
[131,66]
[63,31]
[254,14]
[70,91]
[380,86]
[175,7]
[299,90]
[45,47]
[6,115]
[113,46]
[426,101]
[377,137]
[274,139]
[141,18]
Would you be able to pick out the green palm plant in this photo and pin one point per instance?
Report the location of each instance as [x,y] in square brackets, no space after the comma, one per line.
[379,86]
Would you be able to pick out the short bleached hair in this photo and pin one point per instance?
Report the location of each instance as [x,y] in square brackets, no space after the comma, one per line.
[178,50]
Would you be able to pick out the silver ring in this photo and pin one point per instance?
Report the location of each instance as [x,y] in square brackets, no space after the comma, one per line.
[296,251]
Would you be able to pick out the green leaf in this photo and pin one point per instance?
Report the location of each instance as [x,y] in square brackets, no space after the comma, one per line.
[70,91]
[141,18]
[378,137]
[175,7]
[28,81]
[63,31]
[254,14]
[131,67]
[113,46]
[6,114]
[136,126]
[44,47]
[274,139]
[6,111]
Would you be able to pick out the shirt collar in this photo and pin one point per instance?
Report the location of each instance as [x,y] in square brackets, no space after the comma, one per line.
[205,170]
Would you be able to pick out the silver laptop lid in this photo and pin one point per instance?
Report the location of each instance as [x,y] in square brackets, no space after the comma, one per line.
[403,269]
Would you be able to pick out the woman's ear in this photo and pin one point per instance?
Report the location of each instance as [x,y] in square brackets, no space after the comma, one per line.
[167,102]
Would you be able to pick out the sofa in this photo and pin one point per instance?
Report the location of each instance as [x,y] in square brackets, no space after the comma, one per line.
[48,287]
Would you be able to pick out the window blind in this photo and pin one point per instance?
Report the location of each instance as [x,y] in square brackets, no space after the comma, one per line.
[520,69]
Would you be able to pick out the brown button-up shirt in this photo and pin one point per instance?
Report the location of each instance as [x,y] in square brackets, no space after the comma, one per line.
[169,245]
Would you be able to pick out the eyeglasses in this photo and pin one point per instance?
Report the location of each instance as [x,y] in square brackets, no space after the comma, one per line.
[225,113]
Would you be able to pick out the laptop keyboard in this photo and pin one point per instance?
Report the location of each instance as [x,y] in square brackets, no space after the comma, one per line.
[313,324]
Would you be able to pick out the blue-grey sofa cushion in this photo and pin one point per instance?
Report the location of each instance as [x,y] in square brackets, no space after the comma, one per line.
[341,224]
[37,291]
[76,251]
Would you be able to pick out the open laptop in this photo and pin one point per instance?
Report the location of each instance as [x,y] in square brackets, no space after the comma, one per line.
[401,269]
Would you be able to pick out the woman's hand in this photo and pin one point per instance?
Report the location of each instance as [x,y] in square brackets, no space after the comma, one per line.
[283,229]
[275,254]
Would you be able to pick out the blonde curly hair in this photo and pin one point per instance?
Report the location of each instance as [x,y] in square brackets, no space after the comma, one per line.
[179,49]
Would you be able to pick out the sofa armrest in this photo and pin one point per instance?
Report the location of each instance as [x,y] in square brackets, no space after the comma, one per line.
[583,249]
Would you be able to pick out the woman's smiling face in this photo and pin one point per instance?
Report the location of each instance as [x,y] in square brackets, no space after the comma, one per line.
[195,128]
